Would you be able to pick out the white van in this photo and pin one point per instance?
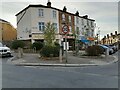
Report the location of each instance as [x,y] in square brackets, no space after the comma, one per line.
[4,50]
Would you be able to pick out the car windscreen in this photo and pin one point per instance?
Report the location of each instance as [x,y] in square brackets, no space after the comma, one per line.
[103,46]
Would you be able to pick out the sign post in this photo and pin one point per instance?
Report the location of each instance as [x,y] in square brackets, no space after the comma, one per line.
[65,30]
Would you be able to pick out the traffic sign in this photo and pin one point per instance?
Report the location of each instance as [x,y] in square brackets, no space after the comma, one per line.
[65,29]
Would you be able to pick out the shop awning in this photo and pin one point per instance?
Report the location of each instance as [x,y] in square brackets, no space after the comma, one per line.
[85,40]
[90,38]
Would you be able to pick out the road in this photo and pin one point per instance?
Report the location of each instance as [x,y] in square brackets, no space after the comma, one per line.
[59,77]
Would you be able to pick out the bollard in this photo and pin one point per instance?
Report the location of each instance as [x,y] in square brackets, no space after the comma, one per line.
[20,52]
[107,52]
[60,55]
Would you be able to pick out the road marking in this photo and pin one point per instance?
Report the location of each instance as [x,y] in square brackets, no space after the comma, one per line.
[68,69]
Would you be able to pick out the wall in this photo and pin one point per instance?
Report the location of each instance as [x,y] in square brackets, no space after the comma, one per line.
[9,33]
[24,25]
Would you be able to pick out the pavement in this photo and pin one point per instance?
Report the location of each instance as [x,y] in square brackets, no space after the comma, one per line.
[32,59]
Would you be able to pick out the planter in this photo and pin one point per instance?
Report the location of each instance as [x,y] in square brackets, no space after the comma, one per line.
[50,58]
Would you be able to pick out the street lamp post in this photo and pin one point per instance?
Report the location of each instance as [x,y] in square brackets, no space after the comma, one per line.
[98,35]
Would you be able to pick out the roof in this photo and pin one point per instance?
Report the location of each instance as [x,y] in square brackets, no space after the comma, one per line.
[1,20]
[39,5]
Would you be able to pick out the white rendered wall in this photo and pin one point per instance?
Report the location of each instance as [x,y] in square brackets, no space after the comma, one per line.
[24,25]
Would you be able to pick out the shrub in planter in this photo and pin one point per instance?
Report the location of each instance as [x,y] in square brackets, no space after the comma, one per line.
[37,45]
[17,43]
[56,44]
[56,51]
[94,50]
[46,51]
[50,51]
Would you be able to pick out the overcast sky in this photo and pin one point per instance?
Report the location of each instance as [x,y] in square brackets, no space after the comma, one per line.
[105,13]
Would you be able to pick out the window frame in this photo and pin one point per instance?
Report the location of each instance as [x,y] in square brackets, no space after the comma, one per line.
[77,20]
[70,19]
[55,26]
[63,17]
[41,26]
[41,12]
[54,14]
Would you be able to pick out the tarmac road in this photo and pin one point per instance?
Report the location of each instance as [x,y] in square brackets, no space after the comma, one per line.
[105,76]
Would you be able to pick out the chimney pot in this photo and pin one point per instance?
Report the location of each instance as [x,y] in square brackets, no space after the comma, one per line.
[64,9]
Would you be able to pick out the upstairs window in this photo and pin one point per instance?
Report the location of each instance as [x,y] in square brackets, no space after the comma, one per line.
[82,32]
[41,26]
[41,12]
[69,18]
[87,22]
[77,31]
[82,21]
[91,24]
[70,28]
[63,17]
[54,14]
[92,33]
[77,20]
[55,26]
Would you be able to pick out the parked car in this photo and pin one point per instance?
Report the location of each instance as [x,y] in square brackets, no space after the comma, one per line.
[112,49]
[107,47]
[115,47]
[4,50]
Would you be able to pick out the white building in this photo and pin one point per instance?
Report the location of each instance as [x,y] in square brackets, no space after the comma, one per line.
[32,19]
[84,28]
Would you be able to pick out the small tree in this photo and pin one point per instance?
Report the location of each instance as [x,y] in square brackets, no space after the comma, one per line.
[51,47]
[49,34]
[17,43]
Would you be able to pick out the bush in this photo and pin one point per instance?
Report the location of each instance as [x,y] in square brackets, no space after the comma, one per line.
[37,45]
[56,44]
[50,51]
[56,51]
[94,50]
[17,43]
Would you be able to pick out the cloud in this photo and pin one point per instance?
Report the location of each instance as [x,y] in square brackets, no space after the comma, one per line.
[104,13]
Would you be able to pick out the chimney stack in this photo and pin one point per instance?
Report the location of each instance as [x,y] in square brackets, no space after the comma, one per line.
[115,32]
[64,9]
[49,3]
[86,16]
[107,35]
[111,34]
[77,13]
